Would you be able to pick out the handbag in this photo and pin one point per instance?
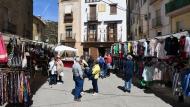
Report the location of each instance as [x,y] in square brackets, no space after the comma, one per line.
[62,74]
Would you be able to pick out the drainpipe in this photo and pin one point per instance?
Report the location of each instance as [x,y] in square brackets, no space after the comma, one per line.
[148,3]
[128,15]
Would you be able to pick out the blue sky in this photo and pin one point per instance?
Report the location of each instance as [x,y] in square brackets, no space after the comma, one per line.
[48,9]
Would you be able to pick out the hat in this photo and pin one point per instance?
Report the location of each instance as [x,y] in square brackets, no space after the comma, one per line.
[129,57]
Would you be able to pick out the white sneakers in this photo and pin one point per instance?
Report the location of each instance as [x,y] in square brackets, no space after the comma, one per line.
[82,93]
[94,94]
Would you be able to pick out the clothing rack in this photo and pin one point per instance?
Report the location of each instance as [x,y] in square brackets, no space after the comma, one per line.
[177,35]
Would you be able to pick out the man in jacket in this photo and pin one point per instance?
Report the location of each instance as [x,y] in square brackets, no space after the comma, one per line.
[78,78]
[128,70]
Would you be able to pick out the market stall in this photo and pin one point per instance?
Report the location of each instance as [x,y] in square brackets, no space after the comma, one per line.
[163,60]
[18,62]
[67,54]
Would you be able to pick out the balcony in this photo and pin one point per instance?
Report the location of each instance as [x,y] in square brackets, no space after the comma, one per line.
[177,5]
[68,18]
[156,22]
[68,37]
[100,39]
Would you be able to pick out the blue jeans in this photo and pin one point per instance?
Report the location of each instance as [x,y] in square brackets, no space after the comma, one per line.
[78,86]
[128,83]
[95,85]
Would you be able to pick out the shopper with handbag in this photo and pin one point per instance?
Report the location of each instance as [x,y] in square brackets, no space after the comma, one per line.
[60,69]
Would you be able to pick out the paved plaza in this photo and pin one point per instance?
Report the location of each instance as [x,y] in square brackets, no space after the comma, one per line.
[110,95]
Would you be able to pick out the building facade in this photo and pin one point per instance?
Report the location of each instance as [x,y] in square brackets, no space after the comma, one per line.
[38,28]
[148,19]
[51,32]
[179,13]
[139,19]
[159,21]
[16,17]
[103,22]
[69,24]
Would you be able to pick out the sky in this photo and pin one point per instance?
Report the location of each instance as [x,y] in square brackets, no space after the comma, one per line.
[47,9]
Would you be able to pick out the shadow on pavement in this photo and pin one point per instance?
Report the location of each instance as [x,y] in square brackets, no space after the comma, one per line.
[89,91]
[164,94]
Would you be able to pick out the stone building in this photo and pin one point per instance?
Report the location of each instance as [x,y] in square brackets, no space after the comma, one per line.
[16,17]
[69,24]
[38,28]
[148,19]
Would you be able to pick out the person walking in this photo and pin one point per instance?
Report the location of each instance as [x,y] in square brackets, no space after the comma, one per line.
[128,71]
[102,66]
[78,79]
[108,60]
[85,68]
[60,67]
[52,72]
[95,72]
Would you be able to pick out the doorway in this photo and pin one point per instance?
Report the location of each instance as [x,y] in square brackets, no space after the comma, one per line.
[102,51]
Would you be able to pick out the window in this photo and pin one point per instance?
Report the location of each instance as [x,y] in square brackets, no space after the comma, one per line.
[92,32]
[89,1]
[112,31]
[68,30]
[113,8]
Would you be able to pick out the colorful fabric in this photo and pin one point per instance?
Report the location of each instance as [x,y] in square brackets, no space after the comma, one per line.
[3,51]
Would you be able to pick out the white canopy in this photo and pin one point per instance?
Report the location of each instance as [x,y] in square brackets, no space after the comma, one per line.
[62,48]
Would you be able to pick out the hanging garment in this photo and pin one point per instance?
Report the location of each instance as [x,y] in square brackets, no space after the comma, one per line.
[161,53]
[160,69]
[148,73]
[140,68]
[176,86]
[3,51]
[171,46]
[24,61]
[135,43]
[145,45]
[116,49]
[129,47]
[152,45]
[187,46]
[140,49]
[182,43]
[126,49]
